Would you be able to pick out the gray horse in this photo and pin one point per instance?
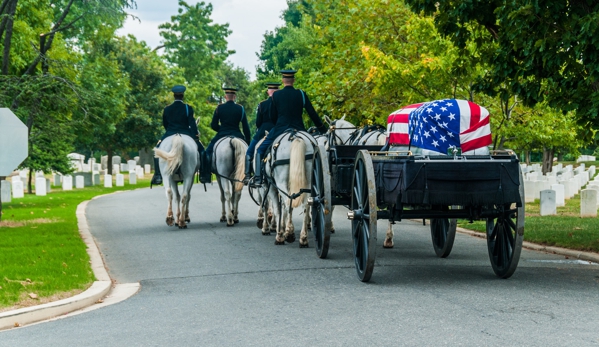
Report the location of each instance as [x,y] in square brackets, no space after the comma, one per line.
[178,151]
[229,165]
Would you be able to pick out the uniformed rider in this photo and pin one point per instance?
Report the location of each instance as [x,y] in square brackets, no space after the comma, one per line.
[177,118]
[264,124]
[225,121]
[286,111]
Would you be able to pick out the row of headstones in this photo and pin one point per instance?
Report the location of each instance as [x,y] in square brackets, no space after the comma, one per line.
[16,188]
[92,166]
[572,180]
[554,197]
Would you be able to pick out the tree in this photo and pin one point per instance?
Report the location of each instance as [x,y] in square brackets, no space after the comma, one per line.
[556,60]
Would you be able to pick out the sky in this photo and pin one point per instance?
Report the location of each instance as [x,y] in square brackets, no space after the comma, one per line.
[248,20]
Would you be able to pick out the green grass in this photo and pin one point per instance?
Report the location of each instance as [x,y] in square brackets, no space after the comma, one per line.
[566,229]
[41,251]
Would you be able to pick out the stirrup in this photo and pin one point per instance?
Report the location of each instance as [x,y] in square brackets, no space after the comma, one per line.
[156,180]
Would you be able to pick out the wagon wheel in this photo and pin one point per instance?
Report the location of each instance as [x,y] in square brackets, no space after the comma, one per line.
[443,234]
[320,201]
[504,236]
[362,212]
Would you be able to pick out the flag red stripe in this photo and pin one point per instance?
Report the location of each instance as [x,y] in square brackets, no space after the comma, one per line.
[474,114]
[477,143]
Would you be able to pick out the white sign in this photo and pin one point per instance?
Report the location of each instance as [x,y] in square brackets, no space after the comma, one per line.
[13,142]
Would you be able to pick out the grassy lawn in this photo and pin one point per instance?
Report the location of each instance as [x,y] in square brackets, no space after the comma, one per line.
[566,229]
[42,256]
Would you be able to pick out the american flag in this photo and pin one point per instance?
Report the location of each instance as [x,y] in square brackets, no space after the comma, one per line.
[440,125]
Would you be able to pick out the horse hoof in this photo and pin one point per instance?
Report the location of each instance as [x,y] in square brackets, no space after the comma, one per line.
[230,225]
[236,221]
[290,238]
[188,220]
[388,244]
[332,231]
[223,219]
[260,223]
[266,233]
[278,243]
[304,246]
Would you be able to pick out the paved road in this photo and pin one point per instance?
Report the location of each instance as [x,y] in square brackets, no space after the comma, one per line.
[210,285]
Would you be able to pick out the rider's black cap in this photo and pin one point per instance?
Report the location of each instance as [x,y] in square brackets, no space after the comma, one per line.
[273,85]
[178,89]
[288,73]
[229,90]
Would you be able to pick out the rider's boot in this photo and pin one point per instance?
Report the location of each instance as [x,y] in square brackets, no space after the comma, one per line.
[257,182]
[157,178]
[248,170]
[206,169]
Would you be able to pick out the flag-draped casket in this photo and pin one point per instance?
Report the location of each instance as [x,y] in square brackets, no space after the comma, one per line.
[440,125]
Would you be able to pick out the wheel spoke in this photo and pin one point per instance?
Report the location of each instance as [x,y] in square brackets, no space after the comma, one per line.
[357,198]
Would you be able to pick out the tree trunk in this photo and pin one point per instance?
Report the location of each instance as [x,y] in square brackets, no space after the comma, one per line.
[29,188]
[547,165]
[12,8]
[527,157]
[109,161]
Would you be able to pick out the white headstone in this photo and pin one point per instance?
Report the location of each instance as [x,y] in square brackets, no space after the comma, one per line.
[107,181]
[124,167]
[48,186]
[120,180]
[136,159]
[588,203]
[17,189]
[116,160]
[5,191]
[560,199]
[132,178]
[85,168]
[116,169]
[548,207]
[40,186]
[104,162]
[139,171]
[148,169]
[96,177]
[23,173]
[67,182]
[79,182]
[57,179]
[529,191]
[15,178]
[131,165]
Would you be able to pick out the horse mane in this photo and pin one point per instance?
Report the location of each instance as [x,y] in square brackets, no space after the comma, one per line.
[239,163]
[174,157]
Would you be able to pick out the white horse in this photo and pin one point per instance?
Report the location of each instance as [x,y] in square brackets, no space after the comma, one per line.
[371,136]
[178,151]
[288,172]
[266,221]
[229,163]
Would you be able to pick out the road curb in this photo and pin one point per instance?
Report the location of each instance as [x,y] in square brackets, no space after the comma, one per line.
[588,256]
[98,290]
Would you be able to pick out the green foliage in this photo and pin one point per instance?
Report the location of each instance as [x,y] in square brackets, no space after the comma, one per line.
[545,51]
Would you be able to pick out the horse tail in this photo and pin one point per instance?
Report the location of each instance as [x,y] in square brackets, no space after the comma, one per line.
[239,155]
[297,170]
[174,158]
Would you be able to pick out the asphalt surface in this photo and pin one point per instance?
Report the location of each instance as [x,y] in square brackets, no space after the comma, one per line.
[212,285]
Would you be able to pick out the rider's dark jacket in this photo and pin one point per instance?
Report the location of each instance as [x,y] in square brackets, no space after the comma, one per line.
[177,118]
[286,111]
[226,119]
[263,122]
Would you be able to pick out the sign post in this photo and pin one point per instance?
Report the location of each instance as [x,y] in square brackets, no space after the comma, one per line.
[13,143]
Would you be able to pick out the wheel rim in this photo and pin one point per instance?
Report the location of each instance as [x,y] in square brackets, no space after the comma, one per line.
[320,205]
[364,222]
[504,236]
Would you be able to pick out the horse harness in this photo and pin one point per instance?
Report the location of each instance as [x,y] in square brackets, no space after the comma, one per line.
[359,135]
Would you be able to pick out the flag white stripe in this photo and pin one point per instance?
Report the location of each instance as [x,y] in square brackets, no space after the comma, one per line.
[480,132]
[464,116]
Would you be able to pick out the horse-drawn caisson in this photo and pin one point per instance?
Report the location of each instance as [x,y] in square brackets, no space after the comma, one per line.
[421,174]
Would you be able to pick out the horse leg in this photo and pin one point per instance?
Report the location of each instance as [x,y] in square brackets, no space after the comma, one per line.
[170,220]
[179,214]
[223,215]
[236,198]
[389,237]
[289,228]
[331,226]
[280,217]
[260,221]
[306,225]
[229,199]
